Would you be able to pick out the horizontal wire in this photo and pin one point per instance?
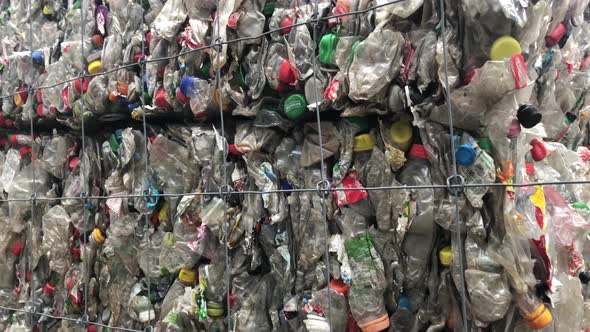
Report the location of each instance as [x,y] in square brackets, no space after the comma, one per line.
[74,320]
[130,65]
[304,190]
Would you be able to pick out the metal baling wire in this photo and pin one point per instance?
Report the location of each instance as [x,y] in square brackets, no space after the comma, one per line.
[301,190]
[32,286]
[148,191]
[84,188]
[225,186]
[324,184]
[231,41]
[457,191]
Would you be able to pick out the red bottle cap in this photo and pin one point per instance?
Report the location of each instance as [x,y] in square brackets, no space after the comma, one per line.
[287,74]
[48,289]
[136,57]
[28,276]
[97,41]
[40,110]
[555,36]
[17,248]
[418,151]
[24,150]
[286,24]
[81,86]
[234,151]
[13,140]
[73,163]
[91,328]
[181,96]
[76,253]
[538,150]
[160,99]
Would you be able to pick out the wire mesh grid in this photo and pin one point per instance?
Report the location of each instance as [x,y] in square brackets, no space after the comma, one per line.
[455,183]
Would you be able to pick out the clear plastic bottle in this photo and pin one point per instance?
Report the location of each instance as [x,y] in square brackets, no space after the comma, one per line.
[186,278]
[419,238]
[368,284]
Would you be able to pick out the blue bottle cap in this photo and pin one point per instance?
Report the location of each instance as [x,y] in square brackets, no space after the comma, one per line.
[404,302]
[38,57]
[186,85]
[465,155]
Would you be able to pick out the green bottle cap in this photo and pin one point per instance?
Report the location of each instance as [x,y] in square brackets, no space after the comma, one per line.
[360,121]
[580,206]
[295,106]
[485,144]
[269,8]
[327,48]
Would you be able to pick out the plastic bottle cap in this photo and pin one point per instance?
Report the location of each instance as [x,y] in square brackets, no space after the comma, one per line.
[98,236]
[555,36]
[485,144]
[538,150]
[418,151]
[287,74]
[363,142]
[38,57]
[377,325]
[528,116]
[214,309]
[76,253]
[404,302]
[83,85]
[269,7]
[91,328]
[585,278]
[24,150]
[339,286]
[286,25]
[401,134]
[539,319]
[186,85]
[97,41]
[295,106]
[232,150]
[74,163]
[160,99]
[327,48]
[13,140]
[445,256]
[181,96]
[48,289]
[505,47]
[187,276]
[48,11]
[466,155]
[17,248]
[95,67]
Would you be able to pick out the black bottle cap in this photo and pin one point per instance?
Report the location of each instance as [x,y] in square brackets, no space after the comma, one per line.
[585,277]
[528,116]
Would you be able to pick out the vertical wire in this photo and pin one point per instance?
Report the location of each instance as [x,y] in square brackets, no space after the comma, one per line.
[458,239]
[146,225]
[322,164]
[84,187]
[33,174]
[224,186]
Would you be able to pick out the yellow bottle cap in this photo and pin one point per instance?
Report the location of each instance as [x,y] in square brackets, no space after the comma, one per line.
[95,67]
[363,142]
[47,11]
[539,319]
[214,309]
[187,276]
[445,256]
[163,215]
[98,236]
[18,100]
[504,47]
[401,134]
